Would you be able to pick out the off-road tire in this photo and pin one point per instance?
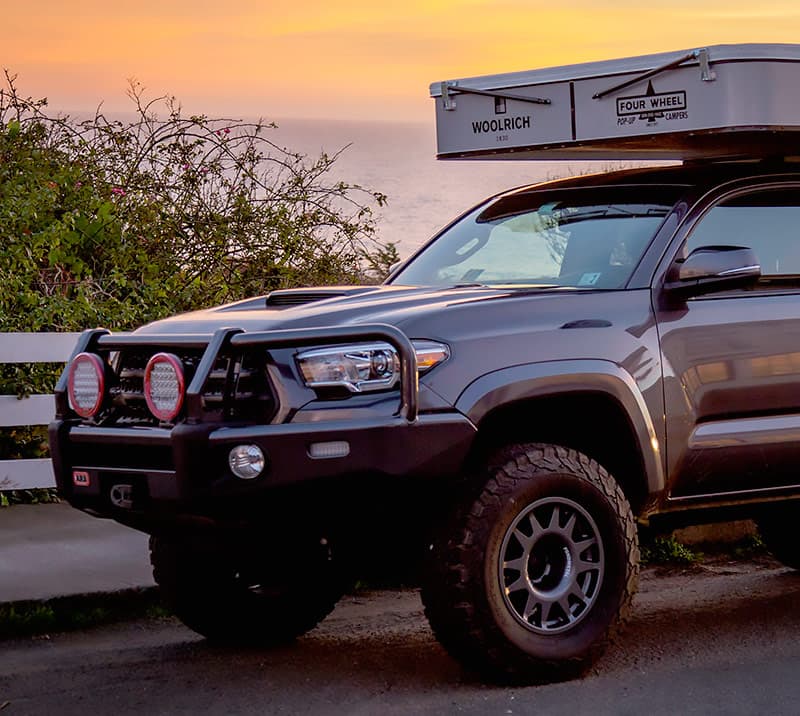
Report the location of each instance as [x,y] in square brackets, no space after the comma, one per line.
[777,528]
[220,594]
[470,610]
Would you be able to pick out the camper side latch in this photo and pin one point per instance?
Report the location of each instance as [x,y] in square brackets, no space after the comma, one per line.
[706,73]
[451,88]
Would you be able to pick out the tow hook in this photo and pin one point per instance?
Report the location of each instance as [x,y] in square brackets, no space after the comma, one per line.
[122,496]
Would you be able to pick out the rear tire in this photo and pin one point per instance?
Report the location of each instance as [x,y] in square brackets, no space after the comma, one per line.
[231,597]
[532,579]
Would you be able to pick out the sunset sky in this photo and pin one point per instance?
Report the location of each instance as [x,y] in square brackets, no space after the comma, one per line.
[345,59]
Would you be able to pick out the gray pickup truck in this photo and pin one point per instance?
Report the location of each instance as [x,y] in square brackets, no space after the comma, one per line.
[563,361]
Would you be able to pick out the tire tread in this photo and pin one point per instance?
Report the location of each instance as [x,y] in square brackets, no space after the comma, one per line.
[455,615]
[186,580]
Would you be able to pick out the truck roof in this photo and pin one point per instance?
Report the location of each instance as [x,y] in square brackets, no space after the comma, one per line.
[695,174]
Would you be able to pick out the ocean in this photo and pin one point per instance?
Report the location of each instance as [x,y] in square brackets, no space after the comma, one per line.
[399,159]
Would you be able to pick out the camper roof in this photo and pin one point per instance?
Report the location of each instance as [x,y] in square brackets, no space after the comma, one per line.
[723,101]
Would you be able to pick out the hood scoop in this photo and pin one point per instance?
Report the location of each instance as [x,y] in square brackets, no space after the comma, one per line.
[284,298]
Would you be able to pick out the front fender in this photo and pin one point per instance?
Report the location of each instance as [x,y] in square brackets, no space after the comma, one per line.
[548,379]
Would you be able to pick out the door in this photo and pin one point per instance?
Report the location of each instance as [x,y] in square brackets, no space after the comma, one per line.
[732,359]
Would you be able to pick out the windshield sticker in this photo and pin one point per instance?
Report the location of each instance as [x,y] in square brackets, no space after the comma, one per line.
[466,248]
[589,279]
[652,106]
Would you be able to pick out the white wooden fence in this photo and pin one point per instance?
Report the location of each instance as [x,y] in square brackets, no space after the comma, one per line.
[34,410]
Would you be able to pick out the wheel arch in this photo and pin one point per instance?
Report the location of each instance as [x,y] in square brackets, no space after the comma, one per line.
[574,398]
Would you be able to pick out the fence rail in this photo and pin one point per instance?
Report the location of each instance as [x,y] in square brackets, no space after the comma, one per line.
[33,410]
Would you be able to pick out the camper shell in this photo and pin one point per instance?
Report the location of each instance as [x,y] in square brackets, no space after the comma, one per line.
[721,101]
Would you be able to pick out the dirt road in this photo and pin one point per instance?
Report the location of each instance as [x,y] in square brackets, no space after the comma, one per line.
[719,639]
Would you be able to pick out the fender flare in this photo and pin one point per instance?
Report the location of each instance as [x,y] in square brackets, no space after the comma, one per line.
[548,379]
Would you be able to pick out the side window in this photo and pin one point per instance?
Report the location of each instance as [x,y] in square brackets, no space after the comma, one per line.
[766,221]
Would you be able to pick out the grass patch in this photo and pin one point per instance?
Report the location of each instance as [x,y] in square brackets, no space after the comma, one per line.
[32,618]
[43,496]
[750,547]
[667,550]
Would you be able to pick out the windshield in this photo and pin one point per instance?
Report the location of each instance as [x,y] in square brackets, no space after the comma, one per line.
[583,238]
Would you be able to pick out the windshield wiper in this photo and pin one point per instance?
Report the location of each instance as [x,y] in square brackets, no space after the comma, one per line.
[611,212]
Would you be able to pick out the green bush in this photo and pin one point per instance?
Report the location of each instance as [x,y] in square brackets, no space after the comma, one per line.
[110,223]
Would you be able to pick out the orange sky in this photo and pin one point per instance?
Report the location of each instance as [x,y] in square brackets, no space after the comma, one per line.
[341,59]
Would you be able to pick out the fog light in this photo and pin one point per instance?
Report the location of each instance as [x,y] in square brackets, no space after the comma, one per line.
[246,461]
[320,451]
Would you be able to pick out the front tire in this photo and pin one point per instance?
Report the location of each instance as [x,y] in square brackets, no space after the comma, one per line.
[234,596]
[533,578]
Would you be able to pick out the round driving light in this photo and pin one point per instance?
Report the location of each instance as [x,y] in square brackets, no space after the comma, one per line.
[164,386]
[86,384]
[246,461]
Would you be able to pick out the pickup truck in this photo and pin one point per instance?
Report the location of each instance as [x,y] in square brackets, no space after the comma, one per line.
[563,362]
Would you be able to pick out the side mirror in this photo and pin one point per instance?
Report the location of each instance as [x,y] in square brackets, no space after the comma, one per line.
[713,268]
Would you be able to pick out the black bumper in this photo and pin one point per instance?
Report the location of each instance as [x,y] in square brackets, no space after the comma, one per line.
[154,477]
[184,471]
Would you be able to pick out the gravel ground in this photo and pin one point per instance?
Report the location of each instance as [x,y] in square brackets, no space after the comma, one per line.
[719,638]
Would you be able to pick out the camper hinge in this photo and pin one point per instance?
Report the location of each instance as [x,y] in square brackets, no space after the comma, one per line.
[451,88]
[706,73]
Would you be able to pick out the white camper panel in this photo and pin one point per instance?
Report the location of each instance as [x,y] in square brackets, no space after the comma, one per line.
[720,101]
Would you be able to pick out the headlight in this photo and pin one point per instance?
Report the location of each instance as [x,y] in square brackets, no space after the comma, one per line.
[363,367]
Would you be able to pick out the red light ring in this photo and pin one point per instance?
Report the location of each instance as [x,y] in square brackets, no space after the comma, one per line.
[100,371]
[177,366]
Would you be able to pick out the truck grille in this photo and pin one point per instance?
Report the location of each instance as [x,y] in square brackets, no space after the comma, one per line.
[237,388]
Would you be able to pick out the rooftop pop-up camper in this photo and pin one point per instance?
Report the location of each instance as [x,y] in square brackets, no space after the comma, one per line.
[719,101]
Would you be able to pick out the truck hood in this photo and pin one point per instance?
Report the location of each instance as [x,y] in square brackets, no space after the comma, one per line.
[331,306]
[486,328]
